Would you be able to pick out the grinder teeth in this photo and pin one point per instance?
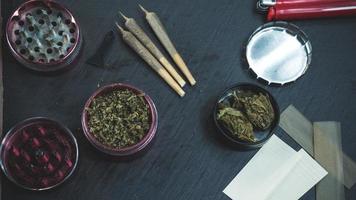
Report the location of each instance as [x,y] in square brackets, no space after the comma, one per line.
[44,36]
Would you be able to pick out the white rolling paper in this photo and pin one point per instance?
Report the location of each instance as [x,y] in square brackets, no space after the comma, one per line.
[276,172]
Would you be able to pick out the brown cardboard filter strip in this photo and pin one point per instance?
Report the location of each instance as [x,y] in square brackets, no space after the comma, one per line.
[298,127]
[349,171]
[301,130]
[328,152]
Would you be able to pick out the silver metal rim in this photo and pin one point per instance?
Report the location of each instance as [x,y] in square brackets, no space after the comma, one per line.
[46,67]
[291,29]
[261,7]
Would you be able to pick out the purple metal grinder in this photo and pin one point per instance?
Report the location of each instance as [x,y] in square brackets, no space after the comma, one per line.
[43,36]
[39,154]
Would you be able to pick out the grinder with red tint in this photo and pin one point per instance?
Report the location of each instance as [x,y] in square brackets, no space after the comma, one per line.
[38,154]
[43,36]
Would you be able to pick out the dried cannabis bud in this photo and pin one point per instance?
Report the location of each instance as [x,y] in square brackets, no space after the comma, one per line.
[236,122]
[119,119]
[244,111]
[257,107]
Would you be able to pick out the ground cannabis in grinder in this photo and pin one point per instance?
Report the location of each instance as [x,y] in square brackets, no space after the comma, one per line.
[119,119]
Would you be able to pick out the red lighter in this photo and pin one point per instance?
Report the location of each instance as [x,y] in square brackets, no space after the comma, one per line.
[265,4]
[306,9]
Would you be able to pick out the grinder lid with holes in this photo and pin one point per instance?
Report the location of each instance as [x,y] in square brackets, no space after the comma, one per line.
[43,36]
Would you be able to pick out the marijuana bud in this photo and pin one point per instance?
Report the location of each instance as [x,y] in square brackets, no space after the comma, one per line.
[242,112]
[236,122]
[258,109]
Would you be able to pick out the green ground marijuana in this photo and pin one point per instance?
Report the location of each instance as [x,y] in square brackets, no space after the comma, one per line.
[119,119]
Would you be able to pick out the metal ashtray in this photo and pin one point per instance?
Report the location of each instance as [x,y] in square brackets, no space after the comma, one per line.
[261,135]
[278,52]
[39,154]
[43,35]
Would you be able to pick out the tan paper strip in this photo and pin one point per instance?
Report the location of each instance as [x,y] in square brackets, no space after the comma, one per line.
[349,171]
[300,129]
[328,152]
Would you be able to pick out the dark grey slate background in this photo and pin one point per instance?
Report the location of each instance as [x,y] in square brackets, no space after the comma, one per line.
[187,160]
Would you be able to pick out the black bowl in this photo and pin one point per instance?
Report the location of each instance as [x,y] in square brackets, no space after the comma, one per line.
[262,136]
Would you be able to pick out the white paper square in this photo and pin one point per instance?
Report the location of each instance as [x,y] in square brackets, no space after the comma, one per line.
[276,172]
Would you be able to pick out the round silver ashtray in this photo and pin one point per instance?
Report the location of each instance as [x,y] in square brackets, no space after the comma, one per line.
[278,52]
